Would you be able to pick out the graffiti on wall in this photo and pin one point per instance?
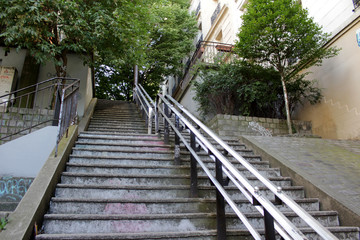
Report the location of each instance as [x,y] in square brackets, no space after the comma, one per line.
[13,188]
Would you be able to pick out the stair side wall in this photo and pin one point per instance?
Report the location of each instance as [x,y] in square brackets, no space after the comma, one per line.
[231,125]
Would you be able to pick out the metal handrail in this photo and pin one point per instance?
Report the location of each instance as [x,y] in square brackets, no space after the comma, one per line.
[265,203]
[273,217]
[37,84]
[233,173]
[243,218]
[143,102]
[26,99]
[68,110]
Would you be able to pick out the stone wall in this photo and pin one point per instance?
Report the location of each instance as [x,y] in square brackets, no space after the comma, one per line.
[17,119]
[230,125]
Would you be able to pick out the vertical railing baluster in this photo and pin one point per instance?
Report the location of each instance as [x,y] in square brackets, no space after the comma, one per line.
[57,106]
[177,141]
[193,169]
[220,203]
[166,125]
[269,226]
[156,117]
[150,120]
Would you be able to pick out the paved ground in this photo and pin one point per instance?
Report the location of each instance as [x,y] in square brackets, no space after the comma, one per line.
[331,165]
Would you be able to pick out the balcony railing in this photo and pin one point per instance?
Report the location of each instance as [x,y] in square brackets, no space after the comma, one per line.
[23,109]
[209,53]
[356,3]
[198,9]
[215,14]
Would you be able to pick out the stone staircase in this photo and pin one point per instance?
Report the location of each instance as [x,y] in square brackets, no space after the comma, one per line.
[121,183]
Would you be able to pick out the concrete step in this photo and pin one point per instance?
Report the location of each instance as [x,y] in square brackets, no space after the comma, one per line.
[154,192]
[161,159]
[156,169]
[117,135]
[143,145]
[118,129]
[211,234]
[151,180]
[142,222]
[118,153]
[113,140]
[156,206]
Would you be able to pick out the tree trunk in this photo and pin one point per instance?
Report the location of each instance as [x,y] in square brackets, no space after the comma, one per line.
[288,119]
[29,76]
[61,69]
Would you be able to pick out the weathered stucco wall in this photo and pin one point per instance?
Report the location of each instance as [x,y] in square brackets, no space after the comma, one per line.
[338,115]
[75,69]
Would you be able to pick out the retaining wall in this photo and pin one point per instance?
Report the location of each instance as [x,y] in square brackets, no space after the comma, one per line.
[231,125]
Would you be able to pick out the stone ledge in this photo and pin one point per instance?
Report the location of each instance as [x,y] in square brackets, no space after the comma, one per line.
[347,216]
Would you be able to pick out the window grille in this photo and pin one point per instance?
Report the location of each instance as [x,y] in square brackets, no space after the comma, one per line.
[356,3]
[198,9]
[215,14]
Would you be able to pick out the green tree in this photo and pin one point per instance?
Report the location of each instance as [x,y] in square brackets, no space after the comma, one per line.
[280,33]
[114,85]
[247,89]
[166,36]
[107,30]
[171,40]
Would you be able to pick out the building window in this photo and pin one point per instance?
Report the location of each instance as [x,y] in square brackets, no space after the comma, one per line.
[356,3]
[198,9]
[215,14]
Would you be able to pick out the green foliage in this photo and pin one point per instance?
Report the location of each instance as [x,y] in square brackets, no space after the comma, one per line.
[171,38]
[155,35]
[280,34]
[3,223]
[164,37]
[113,85]
[250,90]
[104,32]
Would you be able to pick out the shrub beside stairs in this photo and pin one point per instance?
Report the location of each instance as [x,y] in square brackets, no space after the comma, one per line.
[121,183]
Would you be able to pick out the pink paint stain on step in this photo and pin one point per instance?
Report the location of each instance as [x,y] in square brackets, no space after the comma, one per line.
[154,142]
[125,208]
[130,226]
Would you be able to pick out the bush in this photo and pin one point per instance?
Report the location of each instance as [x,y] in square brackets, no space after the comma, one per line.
[251,90]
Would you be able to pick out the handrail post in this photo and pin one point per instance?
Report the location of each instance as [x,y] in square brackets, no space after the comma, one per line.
[193,169]
[156,117]
[150,120]
[166,125]
[177,142]
[220,203]
[57,105]
[269,226]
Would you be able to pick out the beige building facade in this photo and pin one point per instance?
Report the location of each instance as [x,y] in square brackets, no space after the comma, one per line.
[338,114]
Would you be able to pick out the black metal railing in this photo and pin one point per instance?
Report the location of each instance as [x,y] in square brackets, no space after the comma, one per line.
[215,13]
[356,3]
[178,120]
[67,109]
[209,53]
[26,109]
[198,9]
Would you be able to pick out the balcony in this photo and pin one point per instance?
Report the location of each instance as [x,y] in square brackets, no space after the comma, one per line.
[356,3]
[209,53]
[213,52]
